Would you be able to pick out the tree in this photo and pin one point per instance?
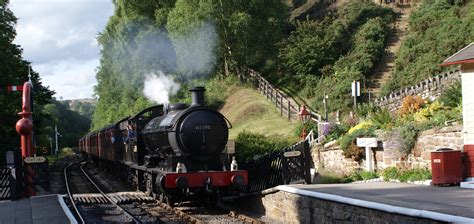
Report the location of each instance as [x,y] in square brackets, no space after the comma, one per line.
[14,71]
[144,37]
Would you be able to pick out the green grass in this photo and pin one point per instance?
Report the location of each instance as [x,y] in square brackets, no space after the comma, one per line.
[248,110]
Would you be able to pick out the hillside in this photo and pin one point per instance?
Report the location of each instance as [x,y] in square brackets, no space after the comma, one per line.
[431,39]
[247,110]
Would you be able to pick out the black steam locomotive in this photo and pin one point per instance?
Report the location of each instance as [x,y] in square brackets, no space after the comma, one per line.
[170,152]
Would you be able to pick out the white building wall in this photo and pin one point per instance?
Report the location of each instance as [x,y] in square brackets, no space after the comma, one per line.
[468,102]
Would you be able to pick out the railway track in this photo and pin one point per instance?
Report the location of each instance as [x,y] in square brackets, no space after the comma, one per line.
[110,204]
[91,204]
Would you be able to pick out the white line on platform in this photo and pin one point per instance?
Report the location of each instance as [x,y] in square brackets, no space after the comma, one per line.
[66,210]
[379,206]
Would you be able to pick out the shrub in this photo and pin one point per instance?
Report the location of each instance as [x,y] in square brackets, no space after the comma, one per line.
[414,175]
[391,173]
[365,109]
[382,119]
[310,126]
[65,152]
[411,104]
[334,131]
[348,145]
[408,133]
[250,145]
[367,124]
[452,96]
[363,175]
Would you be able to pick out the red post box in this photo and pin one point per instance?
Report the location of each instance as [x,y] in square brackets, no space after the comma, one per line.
[446,167]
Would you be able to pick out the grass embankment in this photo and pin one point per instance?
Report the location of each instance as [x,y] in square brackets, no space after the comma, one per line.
[249,111]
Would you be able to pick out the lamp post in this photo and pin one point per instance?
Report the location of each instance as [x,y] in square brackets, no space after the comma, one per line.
[304,117]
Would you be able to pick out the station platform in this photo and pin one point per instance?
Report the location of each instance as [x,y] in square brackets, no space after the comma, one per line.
[446,204]
[49,209]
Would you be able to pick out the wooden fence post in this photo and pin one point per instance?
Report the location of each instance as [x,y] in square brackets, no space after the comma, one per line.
[281,106]
[289,111]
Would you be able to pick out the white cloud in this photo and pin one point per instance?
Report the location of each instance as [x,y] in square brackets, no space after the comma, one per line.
[59,38]
[72,79]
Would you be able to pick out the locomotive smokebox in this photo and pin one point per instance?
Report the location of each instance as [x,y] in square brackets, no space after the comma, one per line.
[197,95]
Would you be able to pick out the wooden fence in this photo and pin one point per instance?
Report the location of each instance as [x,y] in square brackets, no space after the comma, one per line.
[287,106]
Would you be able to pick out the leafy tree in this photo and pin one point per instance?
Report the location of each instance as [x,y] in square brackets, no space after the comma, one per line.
[144,37]
[14,71]
[71,125]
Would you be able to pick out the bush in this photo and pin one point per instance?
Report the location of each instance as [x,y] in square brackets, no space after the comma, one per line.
[452,96]
[366,109]
[408,133]
[65,152]
[334,131]
[348,145]
[363,175]
[411,104]
[382,119]
[415,175]
[427,43]
[250,145]
[391,173]
[310,126]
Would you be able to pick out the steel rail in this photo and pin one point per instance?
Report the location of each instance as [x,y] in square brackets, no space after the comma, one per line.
[134,219]
[70,194]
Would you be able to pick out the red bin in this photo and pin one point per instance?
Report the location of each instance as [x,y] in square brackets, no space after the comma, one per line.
[446,167]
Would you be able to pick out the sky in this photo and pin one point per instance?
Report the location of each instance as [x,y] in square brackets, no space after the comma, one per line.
[59,38]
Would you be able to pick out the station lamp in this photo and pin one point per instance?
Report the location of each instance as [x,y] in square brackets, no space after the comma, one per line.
[304,117]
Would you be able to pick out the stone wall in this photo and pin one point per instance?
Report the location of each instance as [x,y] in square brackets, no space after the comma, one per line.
[431,140]
[331,157]
[290,208]
[428,89]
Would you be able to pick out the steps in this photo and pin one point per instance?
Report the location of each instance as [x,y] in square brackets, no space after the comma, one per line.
[385,69]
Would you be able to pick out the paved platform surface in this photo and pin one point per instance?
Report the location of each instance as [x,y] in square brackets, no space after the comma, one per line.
[34,210]
[454,201]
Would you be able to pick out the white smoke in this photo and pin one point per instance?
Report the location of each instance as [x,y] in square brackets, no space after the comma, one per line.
[195,52]
[159,87]
[192,56]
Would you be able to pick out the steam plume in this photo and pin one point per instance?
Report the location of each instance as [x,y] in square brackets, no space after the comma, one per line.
[159,87]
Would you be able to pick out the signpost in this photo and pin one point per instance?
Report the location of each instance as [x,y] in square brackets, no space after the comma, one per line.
[355,92]
[368,143]
[36,159]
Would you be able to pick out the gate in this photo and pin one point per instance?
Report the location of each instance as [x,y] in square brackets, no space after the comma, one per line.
[5,190]
[287,166]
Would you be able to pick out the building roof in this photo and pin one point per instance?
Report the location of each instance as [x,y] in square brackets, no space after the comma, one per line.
[465,55]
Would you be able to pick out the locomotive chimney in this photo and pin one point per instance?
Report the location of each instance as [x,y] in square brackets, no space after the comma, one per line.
[197,95]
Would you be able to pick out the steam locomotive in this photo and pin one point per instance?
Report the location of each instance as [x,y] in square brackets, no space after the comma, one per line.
[172,153]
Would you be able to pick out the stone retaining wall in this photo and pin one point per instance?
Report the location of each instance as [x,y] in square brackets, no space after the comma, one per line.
[290,208]
[428,89]
[332,158]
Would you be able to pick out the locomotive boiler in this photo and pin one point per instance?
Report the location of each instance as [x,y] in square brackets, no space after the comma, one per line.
[170,152]
[194,135]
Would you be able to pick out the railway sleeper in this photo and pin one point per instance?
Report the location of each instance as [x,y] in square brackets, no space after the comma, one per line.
[119,198]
